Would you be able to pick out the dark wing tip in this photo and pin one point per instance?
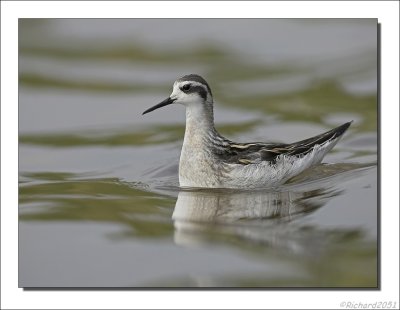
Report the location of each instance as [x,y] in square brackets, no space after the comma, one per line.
[341,129]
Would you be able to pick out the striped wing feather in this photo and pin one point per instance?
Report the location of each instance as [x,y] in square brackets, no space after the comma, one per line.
[250,153]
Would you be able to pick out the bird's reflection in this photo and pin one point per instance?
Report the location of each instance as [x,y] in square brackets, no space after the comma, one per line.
[229,206]
[260,216]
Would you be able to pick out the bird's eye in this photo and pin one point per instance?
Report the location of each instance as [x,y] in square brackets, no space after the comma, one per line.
[186,87]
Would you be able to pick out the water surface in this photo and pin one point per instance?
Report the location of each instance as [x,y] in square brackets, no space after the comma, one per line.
[99,198]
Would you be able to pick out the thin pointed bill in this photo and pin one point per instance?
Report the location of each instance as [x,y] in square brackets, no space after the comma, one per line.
[160,105]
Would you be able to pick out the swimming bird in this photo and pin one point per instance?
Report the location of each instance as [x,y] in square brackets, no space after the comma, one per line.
[212,161]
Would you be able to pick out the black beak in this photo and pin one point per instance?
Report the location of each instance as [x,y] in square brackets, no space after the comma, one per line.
[160,105]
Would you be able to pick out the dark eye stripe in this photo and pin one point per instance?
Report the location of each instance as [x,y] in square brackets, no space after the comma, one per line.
[198,89]
[195,78]
[186,87]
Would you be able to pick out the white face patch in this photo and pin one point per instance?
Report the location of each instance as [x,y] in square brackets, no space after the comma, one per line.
[190,97]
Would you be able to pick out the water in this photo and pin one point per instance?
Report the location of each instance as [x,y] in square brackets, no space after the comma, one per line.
[99,198]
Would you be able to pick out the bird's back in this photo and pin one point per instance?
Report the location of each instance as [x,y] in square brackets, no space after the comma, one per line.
[249,165]
[256,152]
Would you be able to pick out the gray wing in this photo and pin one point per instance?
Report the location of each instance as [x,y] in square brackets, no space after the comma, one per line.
[249,153]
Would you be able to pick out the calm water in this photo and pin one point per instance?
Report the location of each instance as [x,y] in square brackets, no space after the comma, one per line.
[99,199]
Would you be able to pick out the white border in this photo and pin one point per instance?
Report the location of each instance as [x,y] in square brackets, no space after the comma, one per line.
[14,298]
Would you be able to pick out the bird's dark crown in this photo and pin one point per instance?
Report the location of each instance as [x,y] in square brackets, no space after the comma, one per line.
[195,78]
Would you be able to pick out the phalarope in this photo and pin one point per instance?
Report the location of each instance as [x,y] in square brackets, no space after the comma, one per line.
[210,160]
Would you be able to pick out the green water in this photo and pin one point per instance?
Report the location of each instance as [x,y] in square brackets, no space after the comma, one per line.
[99,199]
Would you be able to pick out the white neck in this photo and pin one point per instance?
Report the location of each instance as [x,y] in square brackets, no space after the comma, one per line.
[196,162]
[199,122]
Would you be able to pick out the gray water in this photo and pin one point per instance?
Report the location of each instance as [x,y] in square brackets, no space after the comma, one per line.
[99,197]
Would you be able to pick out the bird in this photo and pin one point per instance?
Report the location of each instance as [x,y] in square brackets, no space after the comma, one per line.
[209,160]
